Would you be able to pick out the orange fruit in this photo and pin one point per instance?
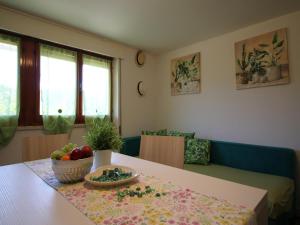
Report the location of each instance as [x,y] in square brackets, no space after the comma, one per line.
[65,157]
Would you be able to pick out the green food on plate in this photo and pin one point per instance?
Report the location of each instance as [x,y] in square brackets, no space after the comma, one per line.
[113,175]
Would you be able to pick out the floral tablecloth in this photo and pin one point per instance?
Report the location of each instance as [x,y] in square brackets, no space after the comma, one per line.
[178,205]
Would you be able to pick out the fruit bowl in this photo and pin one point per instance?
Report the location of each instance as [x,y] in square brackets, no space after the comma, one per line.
[69,171]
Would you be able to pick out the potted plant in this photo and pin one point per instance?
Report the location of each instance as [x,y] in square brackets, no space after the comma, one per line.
[243,63]
[273,71]
[104,138]
[185,73]
[257,63]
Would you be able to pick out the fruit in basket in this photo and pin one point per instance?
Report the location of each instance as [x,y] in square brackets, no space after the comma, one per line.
[68,147]
[76,154]
[87,151]
[66,157]
[72,152]
[58,154]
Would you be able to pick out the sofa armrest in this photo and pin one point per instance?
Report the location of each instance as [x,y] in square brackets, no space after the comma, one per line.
[131,146]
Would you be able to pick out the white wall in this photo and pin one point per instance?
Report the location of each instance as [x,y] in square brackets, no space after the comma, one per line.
[137,112]
[263,116]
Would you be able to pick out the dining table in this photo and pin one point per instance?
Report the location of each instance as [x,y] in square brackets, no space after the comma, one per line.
[26,199]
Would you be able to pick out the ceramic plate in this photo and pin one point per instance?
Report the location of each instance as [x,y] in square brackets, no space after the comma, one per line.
[98,172]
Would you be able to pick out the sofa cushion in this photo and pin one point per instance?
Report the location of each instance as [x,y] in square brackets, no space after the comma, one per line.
[162,132]
[197,151]
[186,136]
[181,134]
[280,189]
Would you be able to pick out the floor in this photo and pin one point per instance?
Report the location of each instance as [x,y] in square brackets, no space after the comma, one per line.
[297,221]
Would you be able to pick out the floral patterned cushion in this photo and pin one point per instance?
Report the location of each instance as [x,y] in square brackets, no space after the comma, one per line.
[186,136]
[162,132]
[181,134]
[197,151]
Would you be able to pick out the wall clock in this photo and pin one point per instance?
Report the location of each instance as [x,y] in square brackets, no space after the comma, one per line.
[140,88]
[140,58]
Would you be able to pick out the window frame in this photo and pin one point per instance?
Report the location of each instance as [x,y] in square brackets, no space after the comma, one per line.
[30,78]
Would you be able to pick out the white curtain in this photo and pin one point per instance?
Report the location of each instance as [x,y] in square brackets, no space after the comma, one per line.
[96,83]
[58,81]
[116,94]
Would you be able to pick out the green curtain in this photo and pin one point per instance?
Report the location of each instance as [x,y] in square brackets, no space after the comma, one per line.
[57,53]
[9,87]
[58,89]
[58,124]
[96,61]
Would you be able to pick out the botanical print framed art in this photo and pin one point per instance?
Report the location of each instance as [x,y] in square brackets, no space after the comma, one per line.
[186,75]
[262,60]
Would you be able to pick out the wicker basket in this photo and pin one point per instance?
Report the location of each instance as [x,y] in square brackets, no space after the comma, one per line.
[71,170]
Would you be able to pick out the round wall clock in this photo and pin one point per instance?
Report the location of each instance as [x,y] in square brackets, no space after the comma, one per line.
[140,58]
[140,88]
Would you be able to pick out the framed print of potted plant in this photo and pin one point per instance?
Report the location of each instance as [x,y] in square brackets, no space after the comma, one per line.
[262,60]
[185,75]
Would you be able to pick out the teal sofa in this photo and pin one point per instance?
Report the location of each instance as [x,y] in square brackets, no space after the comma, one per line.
[270,168]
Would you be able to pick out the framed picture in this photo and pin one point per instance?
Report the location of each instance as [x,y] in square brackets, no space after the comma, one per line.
[262,60]
[185,75]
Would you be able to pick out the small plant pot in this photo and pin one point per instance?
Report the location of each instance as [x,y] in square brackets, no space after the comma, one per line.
[243,79]
[273,73]
[255,78]
[101,158]
[263,79]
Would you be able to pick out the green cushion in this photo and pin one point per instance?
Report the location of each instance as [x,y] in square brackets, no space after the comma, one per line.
[280,189]
[162,132]
[181,134]
[197,151]
[186,136]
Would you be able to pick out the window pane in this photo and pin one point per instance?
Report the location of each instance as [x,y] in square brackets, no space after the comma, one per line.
[57,81]
[9,76]
[95,86]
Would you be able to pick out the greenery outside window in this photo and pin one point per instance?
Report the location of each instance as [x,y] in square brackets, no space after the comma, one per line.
[9,87]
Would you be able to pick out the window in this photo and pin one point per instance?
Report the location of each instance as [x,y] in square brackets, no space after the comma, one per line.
[57,81]
[52,78]
[9,75]
[95,86]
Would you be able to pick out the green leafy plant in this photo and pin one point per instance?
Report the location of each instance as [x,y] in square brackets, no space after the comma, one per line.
[277,49]
[184,69]
[102,134]
[253,62]
[245,60]
[257,64]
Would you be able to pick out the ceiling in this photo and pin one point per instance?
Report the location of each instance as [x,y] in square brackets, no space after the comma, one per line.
[156,25]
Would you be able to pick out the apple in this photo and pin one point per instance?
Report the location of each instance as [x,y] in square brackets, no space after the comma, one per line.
[76,154]
[86,151]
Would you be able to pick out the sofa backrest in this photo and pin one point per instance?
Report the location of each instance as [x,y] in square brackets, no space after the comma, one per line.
[263,159]
[257,158]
